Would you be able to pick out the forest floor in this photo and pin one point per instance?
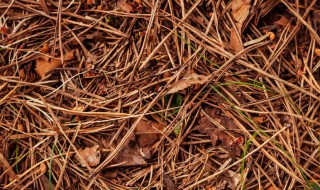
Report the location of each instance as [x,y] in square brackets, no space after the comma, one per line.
[156,94]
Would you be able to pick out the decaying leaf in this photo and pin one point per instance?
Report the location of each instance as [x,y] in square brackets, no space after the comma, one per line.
[78,108]
[124,6]
[111,174]
[21,127]
[22,74]
[45,48]
[146,132]
[89,2]
[129,157]
[45,64]
[169,184]
[219,135]
[259,120]
[47,185]
[240,12]
[235,179]
[138,1]
[235,41]
[69,56]
[89,74]
[43,167]
[188,80]
[283,21]
[100,7]
[4,30]
[91,155]
[317,52]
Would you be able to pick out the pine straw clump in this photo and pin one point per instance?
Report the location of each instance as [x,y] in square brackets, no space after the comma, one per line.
[159,94]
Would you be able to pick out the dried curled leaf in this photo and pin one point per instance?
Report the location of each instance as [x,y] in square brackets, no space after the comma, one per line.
[45,64]
[188,80]
[130,155]
[317,52]
[4,30]
[219,135]
[240,12]
[124,6]
[91,155]
[90,73]
[259,120]
[78,108]
[21,127]
[235,178]
[43,167]
[168,182]
[235,41]
[100,7]
[283,21]
[89,2]
[147,132]
[45,48]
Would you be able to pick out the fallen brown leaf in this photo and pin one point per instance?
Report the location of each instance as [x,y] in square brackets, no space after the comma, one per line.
[259,120]
[45,48]
[43,167]
[240,12]
[100,7]
[169,184]
[283,21]
[45,64]
[146,132]
[235,179]
[89,74]
[69,56]
[4,30]
[111,174]
[91,155]
[89,2]
[235,42]
[219,135]
[124,6]
[47,185]
[21,128]
[188,80]
[317,52]
[78,108]
[129,156]
[22,74]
